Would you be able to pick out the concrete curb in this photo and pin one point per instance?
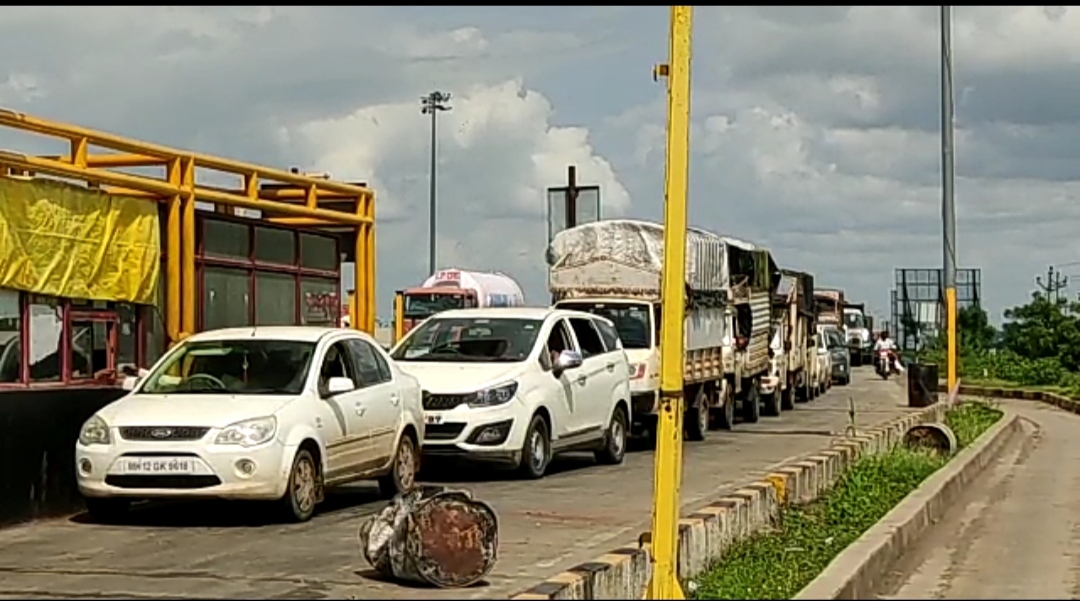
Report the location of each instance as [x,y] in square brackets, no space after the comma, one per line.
[706,534]
[1052,398]
[855,572]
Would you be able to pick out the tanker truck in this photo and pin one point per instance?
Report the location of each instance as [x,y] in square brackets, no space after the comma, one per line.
[454,289]
[612,268]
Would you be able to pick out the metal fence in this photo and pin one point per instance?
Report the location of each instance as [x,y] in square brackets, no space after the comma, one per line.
[918,301]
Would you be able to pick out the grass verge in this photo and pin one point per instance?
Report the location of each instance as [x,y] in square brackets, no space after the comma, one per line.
[778,563]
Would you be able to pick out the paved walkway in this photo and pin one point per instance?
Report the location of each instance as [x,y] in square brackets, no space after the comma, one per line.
[1015,533]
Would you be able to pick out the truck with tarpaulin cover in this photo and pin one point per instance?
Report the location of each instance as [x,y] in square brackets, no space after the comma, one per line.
[612,268]
[791,349]
[102,270]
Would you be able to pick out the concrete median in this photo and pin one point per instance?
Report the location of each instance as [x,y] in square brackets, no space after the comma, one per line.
[706,533]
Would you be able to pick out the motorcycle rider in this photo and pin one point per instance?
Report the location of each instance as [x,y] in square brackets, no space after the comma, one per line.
[884,343]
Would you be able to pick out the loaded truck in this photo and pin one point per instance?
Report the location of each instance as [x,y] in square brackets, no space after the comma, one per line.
[612,268]
[860,341]
[829,305]
[792,352]
[455,289]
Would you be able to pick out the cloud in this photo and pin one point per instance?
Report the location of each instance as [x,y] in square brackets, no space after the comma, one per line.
[816,130]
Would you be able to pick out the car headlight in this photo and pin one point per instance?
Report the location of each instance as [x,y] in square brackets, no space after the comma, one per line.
[94,431]
[248,433]
[496,395]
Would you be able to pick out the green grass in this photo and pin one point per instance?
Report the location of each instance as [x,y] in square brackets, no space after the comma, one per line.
[777,564]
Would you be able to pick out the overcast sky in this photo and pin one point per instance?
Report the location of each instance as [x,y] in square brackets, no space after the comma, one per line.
[816,130]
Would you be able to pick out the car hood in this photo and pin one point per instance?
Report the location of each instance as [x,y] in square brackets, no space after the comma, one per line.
[212,410]
[459,378]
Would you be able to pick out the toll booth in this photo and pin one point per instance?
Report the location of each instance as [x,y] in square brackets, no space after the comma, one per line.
[114,249]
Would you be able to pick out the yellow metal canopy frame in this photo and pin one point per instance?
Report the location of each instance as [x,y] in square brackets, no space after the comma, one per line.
[290,200]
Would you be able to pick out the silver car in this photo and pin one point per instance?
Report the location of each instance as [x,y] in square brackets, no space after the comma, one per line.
[841,358]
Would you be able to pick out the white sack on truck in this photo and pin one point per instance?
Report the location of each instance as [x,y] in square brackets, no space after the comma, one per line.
[434,536]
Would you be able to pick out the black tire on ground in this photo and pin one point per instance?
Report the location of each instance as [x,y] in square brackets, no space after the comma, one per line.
[724,415]
[402,475]
[614,449]
[770,404]
[846,380]
[536,452]
[802,390]
[751,405]
[302,492]
[107,511]
[696,420]
[787,396]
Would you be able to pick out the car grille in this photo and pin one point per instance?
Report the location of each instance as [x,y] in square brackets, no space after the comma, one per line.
[163,433]
[442,431]
[170,481]
[441,402]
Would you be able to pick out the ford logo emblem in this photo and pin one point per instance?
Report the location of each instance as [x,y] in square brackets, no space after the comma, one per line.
[160,433]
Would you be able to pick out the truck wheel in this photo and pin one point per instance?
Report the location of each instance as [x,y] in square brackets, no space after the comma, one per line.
[696,420]
[770,404]
[751,405]
[724,415]
[787,397]
[802,390]
[536,453]
[614,449]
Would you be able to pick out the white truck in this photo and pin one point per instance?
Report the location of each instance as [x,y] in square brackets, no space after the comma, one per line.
[612,268]
[857,331]
[792,352]
[458,289]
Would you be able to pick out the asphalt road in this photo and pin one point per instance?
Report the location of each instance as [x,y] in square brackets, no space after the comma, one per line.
[581,510]
[1015,531]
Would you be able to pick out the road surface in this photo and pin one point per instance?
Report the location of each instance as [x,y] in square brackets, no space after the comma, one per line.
[1015,533]
[580,511]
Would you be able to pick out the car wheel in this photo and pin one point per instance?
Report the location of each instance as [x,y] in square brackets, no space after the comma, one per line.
[402,476]
[536,453]
[298,503]
[696,420]
[107,511]
[615,440]
[751,405]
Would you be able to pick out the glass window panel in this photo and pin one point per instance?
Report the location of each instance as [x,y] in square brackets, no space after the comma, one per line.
[10,349]
[154,317]
[275,246]
[275,299]
[126,334]
[226,298]
[225,239]
[319,302]
[89,348]
[319,252]
[46,328]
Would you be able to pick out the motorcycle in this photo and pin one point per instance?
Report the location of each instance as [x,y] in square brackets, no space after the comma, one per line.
[883,364]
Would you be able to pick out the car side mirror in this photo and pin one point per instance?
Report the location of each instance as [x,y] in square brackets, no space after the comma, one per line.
[129,383]
[566,360]
[338,385]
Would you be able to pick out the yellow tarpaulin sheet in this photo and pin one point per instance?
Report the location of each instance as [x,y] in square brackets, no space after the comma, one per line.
[63,240]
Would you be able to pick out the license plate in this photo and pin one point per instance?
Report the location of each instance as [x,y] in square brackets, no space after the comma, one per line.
[158,465]
[433,419]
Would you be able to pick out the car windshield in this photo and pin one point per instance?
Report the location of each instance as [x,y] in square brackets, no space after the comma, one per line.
[244,366]
[853,320]
[473,340]
[422,306]
[631,320]
[834,339]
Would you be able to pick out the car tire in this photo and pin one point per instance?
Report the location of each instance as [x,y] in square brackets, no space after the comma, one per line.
[536,451]
[403,470]
[614,450]
[302,493]
[107,510]
[751,405]
[696,420]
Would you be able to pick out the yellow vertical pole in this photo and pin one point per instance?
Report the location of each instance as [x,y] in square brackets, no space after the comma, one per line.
[399,316]
[172,256]
[369,255]
[187,257]
[360,293]
[664,583]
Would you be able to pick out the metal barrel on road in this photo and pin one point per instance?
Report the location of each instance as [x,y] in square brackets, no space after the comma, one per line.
[922,384]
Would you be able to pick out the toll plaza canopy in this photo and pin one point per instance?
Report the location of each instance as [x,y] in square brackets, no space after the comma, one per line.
[104,258]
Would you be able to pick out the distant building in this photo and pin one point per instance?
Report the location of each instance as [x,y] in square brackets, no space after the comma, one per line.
[918,303]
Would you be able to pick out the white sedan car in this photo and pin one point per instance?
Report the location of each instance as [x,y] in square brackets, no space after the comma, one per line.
[267,413]
[517,385]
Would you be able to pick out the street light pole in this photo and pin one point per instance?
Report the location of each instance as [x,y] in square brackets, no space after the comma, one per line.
[431,105]
[948,208]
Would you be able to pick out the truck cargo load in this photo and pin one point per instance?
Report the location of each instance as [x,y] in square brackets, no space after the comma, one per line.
[458,289]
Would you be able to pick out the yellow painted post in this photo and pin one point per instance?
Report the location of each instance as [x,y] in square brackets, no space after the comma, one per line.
[187,258]
[950,313]
[172,256]
[369,255]
[360,293]
[399,316]
[664,583]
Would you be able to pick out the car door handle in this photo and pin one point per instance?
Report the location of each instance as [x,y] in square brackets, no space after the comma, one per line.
[610,367]
[581,380]
[360,409]
[395,399]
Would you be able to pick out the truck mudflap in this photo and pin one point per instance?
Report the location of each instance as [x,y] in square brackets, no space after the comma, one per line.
[434,536]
